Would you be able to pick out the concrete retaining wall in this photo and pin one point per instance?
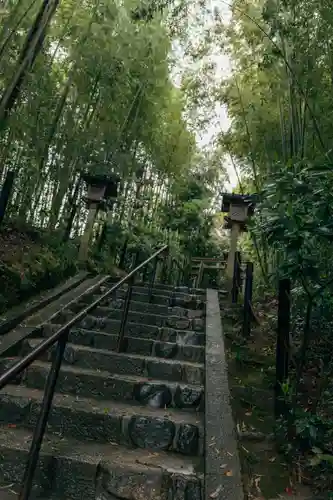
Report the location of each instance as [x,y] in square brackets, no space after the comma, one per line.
[222,467]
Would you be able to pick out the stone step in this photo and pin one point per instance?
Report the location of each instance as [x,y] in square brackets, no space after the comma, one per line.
[112,326]
[136,345]
[162,292]
[163,300]
[171,289]
[135,330]
[130,364]
[176,322]
[105,386]
[73,470]
[142,290]
[140,294]
[105,421]
[184,301]
[190,308]
[107,310]
[159,286]
[146,307]
[190,301]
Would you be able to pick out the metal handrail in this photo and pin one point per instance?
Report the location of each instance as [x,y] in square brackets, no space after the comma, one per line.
[61,336]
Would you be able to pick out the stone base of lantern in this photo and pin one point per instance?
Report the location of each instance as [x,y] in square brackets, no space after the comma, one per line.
[84,246]
[234,235]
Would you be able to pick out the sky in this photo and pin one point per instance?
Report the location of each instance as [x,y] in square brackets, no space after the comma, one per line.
[223,70]
[221,120]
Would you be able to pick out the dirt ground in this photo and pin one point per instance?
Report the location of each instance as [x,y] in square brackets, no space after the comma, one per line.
[15,244]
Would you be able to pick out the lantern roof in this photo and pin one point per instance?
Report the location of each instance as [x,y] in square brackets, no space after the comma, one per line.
[239,199]
[110,182]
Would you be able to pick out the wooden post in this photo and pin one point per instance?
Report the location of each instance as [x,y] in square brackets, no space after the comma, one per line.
[282,345]
[247,315]
[5,193]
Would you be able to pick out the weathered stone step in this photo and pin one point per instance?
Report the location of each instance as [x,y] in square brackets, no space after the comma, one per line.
[169,289]
[144,308]
[135,330]
[142,290]
[159,286]
[196,309]
[112,326]
[141,295]
[179,323]
[73,470]
[178,296]
[161,292]
[101,359]
[190,301]
[137,345]
[105,386]
[105,421]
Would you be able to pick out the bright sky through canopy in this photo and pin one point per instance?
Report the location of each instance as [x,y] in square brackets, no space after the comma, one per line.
[220,120]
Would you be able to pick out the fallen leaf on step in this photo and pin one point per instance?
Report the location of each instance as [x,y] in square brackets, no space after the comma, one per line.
[228,473]
[215,494]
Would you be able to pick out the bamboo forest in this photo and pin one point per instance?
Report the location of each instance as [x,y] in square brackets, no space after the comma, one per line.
[133,136]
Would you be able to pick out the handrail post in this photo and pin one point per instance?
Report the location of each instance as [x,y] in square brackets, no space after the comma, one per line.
[282,344]
[40,428]
[121,343]
[152,281]
[248,300]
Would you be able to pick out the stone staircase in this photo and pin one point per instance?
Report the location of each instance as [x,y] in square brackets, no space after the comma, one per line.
[123,426]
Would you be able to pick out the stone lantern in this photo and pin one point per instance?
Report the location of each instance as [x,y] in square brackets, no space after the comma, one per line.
[102,192]
[239,209]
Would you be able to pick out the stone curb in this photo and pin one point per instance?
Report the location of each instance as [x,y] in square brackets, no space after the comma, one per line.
[17,314]
[223,479]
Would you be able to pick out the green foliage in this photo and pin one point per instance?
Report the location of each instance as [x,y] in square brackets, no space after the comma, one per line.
[99,99]
[44,266]
[279,99]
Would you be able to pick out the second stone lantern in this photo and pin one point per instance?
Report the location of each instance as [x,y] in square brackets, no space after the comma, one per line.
[100,190]
[239,209]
